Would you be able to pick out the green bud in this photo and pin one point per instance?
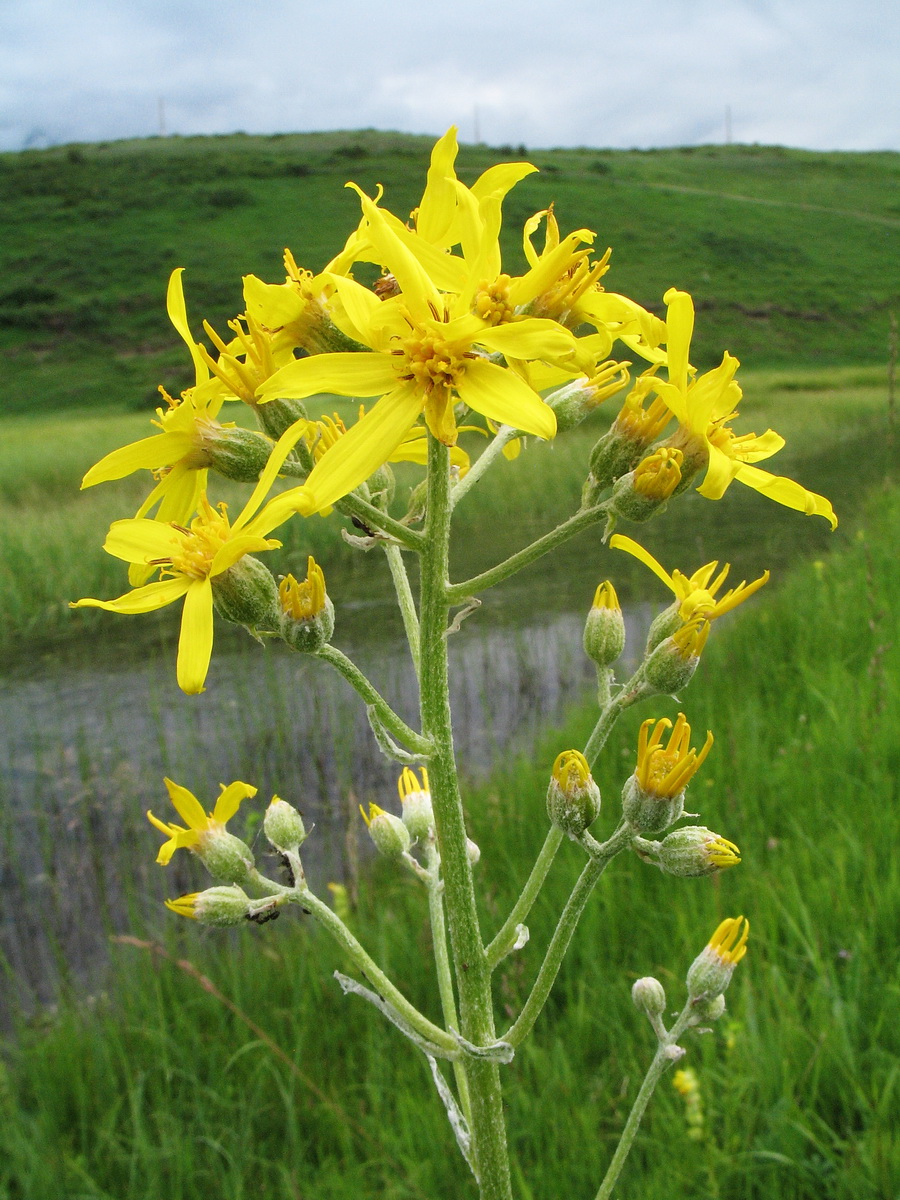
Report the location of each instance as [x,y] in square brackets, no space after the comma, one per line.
[604,630]
[649,996]
[225,856]
[573,798]
[283,826]
[222,906]
[695,850]
[415,797]
[276,416]
[473,852]
[671,665]
[390,835]
[247,594]
[614,455]
[710,1010]
[664,625]
[648,812]
[381,486]
[710,972]
[239,454]
[307,613]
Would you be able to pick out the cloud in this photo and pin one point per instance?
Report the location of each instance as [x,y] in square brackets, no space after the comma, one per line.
[657,72]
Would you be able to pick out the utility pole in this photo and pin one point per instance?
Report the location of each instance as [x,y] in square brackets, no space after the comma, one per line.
[727,124]
[475,122]
[161,110]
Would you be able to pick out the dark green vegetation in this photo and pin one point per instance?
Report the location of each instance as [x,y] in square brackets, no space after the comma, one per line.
[791,256]
[155,1087]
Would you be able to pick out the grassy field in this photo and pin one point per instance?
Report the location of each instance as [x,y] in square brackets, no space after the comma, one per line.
[159,1086]
[789,254]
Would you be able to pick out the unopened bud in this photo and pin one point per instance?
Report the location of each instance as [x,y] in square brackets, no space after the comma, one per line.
[390,835]
[663,625]
[604,630]
[418,815]
[653,797]
[239,454]
[220,906]
[246,593]
[283,826]
[381,486]
[574,401]
[644,491]
[277,416]
[473,850]
[573,798]
[711,971]
[694,850]
[307,614]
[710,1010]
[671,665]
[225,856]
[649,996]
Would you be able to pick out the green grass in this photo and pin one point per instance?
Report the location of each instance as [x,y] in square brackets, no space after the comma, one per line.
[153,1087]
[789,253]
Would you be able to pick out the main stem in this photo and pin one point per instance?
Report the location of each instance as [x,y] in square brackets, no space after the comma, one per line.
[473,976]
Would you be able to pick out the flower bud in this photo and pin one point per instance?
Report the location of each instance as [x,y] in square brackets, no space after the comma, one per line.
[663,625]
[382,486]
[390,835]
[710,1010]
[649,996]
[574,401]
[621,448]
[573,799]
[246,593]
[653,798]
[604,630]
[473,850]
[671,665]
[710,972]
[220,906]
[644,491]
[239,454]
[307,614]
[276,416]
[283,826]
[418,816]
[225,856]
[694,850]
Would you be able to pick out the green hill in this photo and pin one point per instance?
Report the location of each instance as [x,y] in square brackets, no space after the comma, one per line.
[791,255]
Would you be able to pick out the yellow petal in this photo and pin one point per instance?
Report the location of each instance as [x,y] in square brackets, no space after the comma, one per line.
[230,799]
[236,547]
[142,541]
[437,210]
[500,179]
[150,454]
[719,474]
[787,492]
[419,293]
[619,542]
[535,337]
[195,642]
[680,327]
[749,450]
[364,447]
[272,305]
[504,397]
[446,271]
[360,304]
[344,374]
[186,805]
[706,394]
[280,451]
[177,311]
[144,599]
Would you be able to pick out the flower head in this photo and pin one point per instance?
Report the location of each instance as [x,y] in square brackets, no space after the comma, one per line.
[704,406]
[200,827]
[711,971]
[664,771]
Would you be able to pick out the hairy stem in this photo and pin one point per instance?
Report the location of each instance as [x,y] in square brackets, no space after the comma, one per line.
[504,435]
[405,600]
[522,907]
[442,965]
[391,721]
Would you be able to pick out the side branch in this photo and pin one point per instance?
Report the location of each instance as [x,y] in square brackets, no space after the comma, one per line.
[458,592]
[392,722]
[562,935]
[522,907]
[373,518]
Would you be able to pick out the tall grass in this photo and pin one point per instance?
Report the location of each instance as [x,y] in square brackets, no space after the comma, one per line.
[156,1087]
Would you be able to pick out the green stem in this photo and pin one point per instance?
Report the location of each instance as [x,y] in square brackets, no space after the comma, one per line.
[442,964]
[664,1058]
[504,435]
[522,907]
[386,989]
[458,592]
[391,721]
[473,977]
[562,936]
[405,600]
[374,518]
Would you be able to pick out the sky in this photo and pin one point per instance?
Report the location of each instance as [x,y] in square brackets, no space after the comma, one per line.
[820,74]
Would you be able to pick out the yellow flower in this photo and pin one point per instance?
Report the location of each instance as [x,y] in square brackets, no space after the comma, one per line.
[696,594]
[303,601]
[658,475]
[664,771]
[704,407]
[190,558]
[199,824]
[422,360]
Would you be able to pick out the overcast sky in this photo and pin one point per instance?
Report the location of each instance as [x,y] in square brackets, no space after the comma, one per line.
[823,74]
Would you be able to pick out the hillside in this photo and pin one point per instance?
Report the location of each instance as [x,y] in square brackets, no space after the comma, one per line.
[791,255]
